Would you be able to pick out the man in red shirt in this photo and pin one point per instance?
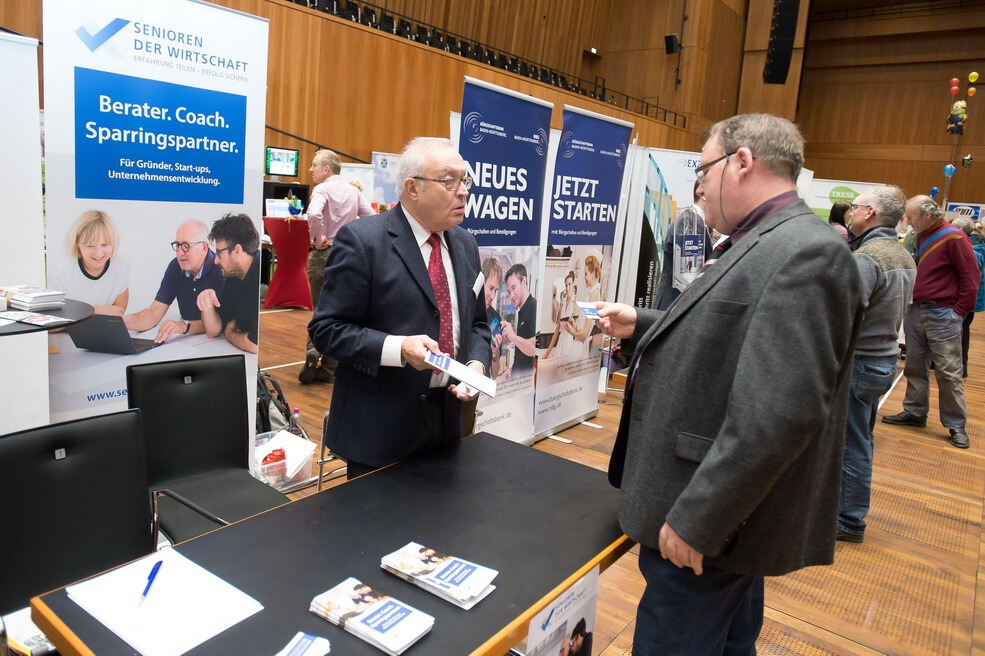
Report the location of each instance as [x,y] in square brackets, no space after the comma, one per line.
[945,291]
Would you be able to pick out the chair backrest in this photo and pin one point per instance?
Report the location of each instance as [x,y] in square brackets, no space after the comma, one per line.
[195,415]
[73,502]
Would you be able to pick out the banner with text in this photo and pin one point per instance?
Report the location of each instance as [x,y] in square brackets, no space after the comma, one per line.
[154,129]
[503,137]
[588,172]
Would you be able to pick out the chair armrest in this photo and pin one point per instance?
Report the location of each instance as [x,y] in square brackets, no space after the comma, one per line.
[188,503]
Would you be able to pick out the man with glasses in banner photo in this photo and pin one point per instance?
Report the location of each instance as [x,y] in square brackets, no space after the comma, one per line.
[763,339]
[398,287]
[192,271]
[234,311]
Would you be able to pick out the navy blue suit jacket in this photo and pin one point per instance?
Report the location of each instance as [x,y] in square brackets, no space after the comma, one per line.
[377,284]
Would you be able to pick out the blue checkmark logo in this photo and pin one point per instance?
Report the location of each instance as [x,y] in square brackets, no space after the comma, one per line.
[93,41]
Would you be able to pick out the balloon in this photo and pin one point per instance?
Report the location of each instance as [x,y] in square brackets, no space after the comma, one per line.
[973,76]
[972,91]
[934,191]
[955,89]
[949,170]
[955,81]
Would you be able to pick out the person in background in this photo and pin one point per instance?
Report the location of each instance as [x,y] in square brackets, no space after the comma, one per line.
[96,275]
[747,487]
[192,271]
[235,311]
[978,245]
[669,287]
[947,286]
[836,218]
[333,204]
[492,276]
[524,334]
[888,273]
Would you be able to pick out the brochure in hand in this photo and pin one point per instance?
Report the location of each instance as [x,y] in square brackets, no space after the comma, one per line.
[379,619]
[453,579]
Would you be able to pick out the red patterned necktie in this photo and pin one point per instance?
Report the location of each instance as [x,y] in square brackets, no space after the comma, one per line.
[439,282]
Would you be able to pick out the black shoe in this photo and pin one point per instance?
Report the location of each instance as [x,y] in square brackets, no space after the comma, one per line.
[323,375]
[904,419]
[959,438]
[308,372]
[849,537]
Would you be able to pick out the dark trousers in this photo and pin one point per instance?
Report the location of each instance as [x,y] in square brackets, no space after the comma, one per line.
[687,615]
[316,280]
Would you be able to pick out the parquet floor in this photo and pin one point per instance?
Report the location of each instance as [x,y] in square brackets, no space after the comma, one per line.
[910,588]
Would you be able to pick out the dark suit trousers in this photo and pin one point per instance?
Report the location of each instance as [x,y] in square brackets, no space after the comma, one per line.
[682,614]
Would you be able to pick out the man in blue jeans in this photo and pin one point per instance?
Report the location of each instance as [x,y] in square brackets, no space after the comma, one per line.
[945,292]
[888,274]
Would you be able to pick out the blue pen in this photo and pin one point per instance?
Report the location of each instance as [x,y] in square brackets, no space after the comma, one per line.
[150,580]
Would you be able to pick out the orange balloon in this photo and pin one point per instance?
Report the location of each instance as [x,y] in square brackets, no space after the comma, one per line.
[971,91]
[955,89]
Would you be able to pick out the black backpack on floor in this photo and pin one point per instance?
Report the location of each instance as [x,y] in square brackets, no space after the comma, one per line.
[273,410]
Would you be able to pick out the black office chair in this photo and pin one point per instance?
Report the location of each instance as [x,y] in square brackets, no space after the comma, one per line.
[403,29]
[195,424]
[73,502]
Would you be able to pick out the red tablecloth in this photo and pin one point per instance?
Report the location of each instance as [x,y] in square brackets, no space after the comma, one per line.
[289,284]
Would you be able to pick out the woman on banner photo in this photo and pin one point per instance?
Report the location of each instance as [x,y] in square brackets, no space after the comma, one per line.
[96,274]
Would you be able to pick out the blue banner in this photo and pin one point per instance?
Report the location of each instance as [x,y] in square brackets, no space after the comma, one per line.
[504,140]
[588,174]
[142,139]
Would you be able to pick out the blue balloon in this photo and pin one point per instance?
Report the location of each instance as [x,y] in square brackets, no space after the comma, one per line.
[949,170]
[934,191]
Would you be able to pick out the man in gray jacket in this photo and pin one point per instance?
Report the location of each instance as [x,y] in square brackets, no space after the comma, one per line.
[729,450]
[888,273]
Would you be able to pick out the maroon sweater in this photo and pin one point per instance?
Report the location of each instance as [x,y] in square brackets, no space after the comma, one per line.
[947,270]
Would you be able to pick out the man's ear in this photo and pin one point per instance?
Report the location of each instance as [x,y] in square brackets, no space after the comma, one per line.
[410,188]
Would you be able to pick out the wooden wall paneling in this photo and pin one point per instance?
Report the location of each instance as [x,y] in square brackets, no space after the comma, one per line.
[24,17]
[712,64]
[635,62]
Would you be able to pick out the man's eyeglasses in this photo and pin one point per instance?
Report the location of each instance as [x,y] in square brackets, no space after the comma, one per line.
[855,206]
[699,172]
[228,249]
[451,184]
[185,246]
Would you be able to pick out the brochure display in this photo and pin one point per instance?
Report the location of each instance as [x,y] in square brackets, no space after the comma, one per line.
[379,619]
[453,579]
[154,116]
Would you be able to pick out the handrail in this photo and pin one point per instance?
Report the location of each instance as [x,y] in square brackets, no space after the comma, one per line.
[315,143]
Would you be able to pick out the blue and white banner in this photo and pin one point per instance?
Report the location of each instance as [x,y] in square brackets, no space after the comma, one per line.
[973,211]
[585,195]
[504,138]
[588,172]
[154,129]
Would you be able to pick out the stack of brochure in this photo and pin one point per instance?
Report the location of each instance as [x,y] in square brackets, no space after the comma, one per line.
[36,299]
[380,620]
[453,579]
[32,318]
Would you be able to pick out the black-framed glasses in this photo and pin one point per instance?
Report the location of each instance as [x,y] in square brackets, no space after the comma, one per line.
[185,246]
[699,172]
[228,249]
[855,206]
[451,184]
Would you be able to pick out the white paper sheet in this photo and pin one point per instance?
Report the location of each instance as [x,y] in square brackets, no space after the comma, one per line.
[184,607]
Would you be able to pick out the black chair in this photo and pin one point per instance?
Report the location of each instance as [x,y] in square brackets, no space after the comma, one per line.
[196,428]
[422,34]
[387,23]
[74,503]
[367,17]
[403,29]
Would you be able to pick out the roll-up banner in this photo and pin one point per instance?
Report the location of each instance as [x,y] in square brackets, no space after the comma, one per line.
[154,129]
[582,217]
[503,137]
[825,193]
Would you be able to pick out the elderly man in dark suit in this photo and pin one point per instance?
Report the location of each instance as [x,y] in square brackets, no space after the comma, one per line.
[729,450]
[399,286]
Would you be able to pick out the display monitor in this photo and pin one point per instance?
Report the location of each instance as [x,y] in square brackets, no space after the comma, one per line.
[281,161]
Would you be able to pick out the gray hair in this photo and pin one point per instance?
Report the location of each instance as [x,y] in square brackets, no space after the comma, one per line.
[774,141]
[201,229]
[965,224]
[889,203]
[927,205]
[414,157]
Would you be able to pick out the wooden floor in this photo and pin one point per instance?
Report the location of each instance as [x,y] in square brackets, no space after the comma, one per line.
[910,588]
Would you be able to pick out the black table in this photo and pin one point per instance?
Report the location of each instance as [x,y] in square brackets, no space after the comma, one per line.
[540,520]
[74,311]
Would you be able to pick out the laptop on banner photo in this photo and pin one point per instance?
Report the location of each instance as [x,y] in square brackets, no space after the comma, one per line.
[103,333]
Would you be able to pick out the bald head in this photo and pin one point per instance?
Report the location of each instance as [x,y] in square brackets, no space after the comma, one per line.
[196,234]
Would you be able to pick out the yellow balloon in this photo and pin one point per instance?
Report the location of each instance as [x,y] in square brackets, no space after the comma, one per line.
[971,91]
[973,76]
